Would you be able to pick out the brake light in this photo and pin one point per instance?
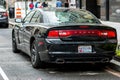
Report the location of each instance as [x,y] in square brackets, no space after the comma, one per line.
[84,26]
[65,33]
[90,33]
[53,34]
[59,33]
[5,14]
[107,33]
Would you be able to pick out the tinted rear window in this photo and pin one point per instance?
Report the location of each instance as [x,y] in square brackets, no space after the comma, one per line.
[70,16]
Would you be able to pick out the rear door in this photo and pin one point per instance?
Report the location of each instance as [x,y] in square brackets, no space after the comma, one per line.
[26,22]
[30,28]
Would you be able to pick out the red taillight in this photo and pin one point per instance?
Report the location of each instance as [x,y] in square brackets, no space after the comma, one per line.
[53,34]
[111,34]
[90,33]
[5,14]
[65,33]
[107,33]
[59,33]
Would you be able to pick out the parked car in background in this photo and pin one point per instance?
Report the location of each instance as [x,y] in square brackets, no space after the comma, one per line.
[63,35]
[3,17]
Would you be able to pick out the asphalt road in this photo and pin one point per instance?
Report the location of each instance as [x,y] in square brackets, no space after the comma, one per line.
[18,67]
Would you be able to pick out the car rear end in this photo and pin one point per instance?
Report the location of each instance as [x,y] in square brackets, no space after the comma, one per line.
[79,44]
[3,18]
[75,36]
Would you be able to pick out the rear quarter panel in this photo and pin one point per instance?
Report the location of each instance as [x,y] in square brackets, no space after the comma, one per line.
[117,27]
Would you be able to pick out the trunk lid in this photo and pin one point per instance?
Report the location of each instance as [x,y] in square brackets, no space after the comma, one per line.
[82,33]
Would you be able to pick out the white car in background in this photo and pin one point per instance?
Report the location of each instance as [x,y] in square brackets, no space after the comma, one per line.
[3,17]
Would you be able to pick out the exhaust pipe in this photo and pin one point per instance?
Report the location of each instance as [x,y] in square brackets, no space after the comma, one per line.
[60,61]
[105,60]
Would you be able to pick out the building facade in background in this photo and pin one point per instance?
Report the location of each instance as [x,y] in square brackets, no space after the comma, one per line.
[103,9]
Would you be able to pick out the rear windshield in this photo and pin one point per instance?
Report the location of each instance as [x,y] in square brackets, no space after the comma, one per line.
[70,16]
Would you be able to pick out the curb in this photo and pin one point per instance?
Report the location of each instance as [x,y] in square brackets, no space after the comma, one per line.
[117,58]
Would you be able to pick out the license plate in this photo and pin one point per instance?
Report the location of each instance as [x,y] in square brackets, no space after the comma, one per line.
[84,49]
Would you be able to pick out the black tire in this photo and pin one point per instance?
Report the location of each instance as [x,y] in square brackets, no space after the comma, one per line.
[35,58]
[14,45]
[6,25]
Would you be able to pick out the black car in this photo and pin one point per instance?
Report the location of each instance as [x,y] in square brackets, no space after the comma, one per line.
[63,35]
[3,17]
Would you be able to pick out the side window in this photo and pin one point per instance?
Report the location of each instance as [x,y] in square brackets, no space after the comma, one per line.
[28,17]
[37,17]
[40,19]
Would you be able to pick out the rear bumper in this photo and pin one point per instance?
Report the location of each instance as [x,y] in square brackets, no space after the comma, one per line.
[3,20]
[4,23]
[79,58]
[67,52]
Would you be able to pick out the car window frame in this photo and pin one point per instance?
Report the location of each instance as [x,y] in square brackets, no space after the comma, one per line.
[31,12]
[39,18]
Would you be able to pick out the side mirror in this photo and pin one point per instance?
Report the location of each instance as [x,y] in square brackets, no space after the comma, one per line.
[18,20]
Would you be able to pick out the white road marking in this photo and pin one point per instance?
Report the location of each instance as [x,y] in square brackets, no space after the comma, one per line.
[52,72]
[3,74]
[88,74]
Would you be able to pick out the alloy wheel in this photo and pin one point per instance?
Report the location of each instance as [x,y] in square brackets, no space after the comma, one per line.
[33,54]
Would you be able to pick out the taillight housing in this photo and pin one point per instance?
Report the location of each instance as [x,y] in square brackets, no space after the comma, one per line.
[5,14]
[53,34]
[107,33]
[90,33]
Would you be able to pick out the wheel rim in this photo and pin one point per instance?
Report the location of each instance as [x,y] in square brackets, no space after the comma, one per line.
[33,54]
